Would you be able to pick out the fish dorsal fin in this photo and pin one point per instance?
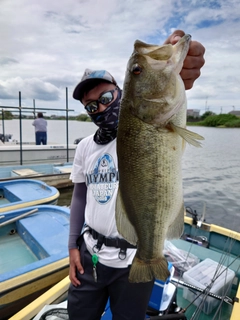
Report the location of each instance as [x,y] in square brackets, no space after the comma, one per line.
[189,136]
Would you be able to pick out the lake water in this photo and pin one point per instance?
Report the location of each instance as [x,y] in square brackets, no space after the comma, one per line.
[211,174]
[56,130]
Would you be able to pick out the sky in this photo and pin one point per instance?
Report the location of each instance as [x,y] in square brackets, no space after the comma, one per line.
[46,46]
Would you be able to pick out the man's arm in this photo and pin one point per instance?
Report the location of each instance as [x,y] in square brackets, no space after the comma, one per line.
[193,61]
[77,217]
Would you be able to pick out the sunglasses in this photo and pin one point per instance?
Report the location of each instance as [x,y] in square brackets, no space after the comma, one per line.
[104,99]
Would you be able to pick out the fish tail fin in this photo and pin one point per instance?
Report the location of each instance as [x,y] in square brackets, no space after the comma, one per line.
[142,271]
[124,226]
[175,230]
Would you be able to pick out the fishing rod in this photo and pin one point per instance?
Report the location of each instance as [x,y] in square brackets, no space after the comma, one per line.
[204,291]
[226,299]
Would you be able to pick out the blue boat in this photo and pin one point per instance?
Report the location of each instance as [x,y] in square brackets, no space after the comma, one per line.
[188,292]
[17,194]
[54,174]
[34,254]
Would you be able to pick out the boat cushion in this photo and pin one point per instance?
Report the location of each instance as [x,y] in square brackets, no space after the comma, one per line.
[26,172]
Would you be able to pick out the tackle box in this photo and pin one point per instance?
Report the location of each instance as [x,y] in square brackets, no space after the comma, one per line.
[202,275]
[162,292]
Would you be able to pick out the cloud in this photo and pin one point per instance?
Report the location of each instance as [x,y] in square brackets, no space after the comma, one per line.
[48,46]
[30,89]
[7,61]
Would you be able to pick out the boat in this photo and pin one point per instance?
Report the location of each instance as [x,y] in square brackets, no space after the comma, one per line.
[34,254]
[186,299]
[13,154]
[17,194]
[53,174]
[5,138]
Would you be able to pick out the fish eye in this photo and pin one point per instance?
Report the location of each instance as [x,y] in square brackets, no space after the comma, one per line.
[136,69]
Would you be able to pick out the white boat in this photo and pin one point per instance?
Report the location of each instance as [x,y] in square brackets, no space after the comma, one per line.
[13,154]
[53,174]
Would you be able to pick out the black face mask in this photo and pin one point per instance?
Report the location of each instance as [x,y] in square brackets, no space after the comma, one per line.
[107,121]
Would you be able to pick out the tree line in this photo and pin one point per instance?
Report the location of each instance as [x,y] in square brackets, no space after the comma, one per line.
[209,119]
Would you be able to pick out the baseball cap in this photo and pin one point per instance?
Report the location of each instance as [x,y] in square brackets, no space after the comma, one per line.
[91,75]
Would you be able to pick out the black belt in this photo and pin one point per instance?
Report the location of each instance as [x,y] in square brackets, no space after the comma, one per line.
[122,244]
[110,242]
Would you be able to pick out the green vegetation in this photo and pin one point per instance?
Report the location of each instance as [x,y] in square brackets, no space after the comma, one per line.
[6,114]
[206,114]
[220,120]
[83,117]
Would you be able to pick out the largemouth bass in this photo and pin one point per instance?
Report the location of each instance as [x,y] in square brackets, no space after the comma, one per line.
[150,143]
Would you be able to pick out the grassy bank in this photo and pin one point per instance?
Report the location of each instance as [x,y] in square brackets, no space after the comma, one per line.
[219,121]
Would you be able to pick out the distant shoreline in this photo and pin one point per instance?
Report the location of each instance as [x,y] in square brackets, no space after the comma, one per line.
[217,121]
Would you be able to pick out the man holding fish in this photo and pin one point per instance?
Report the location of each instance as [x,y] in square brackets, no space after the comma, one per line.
[128,190]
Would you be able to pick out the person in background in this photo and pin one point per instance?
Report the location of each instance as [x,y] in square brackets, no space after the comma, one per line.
[40,125]
[100,259]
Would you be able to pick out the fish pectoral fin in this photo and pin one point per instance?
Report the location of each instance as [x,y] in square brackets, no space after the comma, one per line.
[124,226]
[189,136]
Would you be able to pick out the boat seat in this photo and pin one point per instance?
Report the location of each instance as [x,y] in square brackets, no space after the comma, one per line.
[66,170]
[62,169]
[35,192]
[41,233]
[25,172]
[203,253]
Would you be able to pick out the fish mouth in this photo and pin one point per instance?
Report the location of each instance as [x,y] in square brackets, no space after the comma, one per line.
[181,46]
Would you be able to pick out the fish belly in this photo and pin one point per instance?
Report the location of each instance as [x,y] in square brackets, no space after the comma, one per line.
[149,206]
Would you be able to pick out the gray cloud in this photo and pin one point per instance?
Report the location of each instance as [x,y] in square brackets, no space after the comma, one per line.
[48,46]
[30,88]
[7,61]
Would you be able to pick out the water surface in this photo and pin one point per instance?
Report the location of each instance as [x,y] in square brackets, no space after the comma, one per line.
[211,174]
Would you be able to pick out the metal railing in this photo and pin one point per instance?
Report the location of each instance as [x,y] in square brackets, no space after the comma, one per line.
[20,109]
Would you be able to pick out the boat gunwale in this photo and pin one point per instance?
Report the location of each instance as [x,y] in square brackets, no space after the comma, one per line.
[46,298]
[215,228]
[29,277]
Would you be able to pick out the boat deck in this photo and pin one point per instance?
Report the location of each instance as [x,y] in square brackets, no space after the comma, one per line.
[14,250]
[33,242]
